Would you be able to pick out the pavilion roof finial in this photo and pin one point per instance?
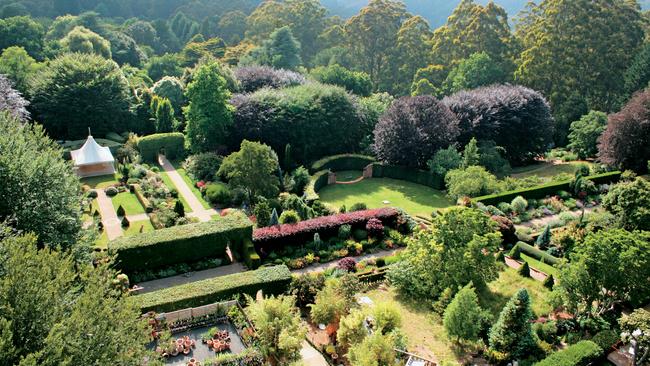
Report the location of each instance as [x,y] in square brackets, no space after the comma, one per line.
[89,134]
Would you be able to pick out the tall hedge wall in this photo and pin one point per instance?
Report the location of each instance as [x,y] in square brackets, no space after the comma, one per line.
[173,143]
[342,162]
[544,190]
[422,177]
[271,280]
[537,254]
[269,238]
[180,244]
[318,180]
[580,354]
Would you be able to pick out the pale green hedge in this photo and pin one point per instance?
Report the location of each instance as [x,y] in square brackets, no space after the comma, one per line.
[173,145]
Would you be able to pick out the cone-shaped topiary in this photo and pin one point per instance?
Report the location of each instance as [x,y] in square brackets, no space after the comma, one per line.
[275,220]
[125,222]
[179,208]
[512,334]
[544,239]
[549,282]
[524,270]
[120,211]
[500,257]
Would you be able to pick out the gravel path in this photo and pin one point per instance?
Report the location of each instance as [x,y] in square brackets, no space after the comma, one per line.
[112,224]
[184,190]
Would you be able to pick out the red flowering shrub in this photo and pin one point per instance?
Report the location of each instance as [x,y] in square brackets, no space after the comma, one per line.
[278,236]
[375,228]
[347,264]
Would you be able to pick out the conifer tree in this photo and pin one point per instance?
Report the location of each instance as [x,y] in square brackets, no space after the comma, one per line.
[179,208]
[164,114]
[275,220]
[524,270]
[470,154]
[512,334]
[544,240]
[462,316]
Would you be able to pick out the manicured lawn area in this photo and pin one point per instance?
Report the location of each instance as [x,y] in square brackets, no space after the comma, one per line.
[348,175]
[413,198]
[500,290]
[102,181]
[102,241]
[134,228]
[168,182]
[129,202]
[544,267]
[87,214]
[190,183]
[547,169]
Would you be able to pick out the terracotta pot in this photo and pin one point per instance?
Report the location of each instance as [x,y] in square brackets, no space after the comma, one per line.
[186,351]
[210,343]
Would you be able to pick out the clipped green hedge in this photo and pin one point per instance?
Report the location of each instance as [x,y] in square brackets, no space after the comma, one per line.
[250,256]
[317,181]
[544,190]
[582,353]
[538,254]
[412,175]
[181,244]
[271,280]
[342,162]
[173,144]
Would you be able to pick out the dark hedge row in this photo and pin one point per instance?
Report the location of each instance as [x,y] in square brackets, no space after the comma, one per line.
[342,162]
[270,238]
[537,254]
[181,244]
[172,143]
[545,190]
[412,175]
[579,354]
[271,280]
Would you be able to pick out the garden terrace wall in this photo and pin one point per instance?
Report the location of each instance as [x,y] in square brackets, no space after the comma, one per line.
[545,190]
[579,354]
[271,280]
[181,244]
[538,254]
[172,143]
[342,162]
[270,238]
[412,175]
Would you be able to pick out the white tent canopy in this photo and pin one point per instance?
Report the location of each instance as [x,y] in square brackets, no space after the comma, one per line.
[92,153]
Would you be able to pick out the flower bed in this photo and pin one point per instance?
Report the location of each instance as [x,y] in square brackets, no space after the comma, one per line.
[275,237]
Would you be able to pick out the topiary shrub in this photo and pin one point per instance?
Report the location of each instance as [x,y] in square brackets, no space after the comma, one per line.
[92,194]
[359,206]
[380,262]
[524,270]
[375,228]
[347,264]
[120,211]
[172,144]
[111,191]
[605,339]
[289,217]
[125,222]
[218,194]
[515,252]
[549,282]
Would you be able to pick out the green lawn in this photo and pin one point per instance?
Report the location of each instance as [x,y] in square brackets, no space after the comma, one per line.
[544,267]
[102,241]
[500,290]
[547,169]
[190,183]
[168,182]
[102,181]
[348,175]
[413,198]
[87,214]
[129,202]
[134,228]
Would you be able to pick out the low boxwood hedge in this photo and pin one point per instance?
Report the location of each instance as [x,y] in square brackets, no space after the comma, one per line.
[582,353]
[271,280]
[317,181]
[544,190]
[181,244]
[271,238]
[172,143]
[342,162]
[538,254]
[412,175]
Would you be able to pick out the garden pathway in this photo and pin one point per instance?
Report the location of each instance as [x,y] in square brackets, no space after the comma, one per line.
[323,266]
[183,189]
[543,221]
[534,273]
[138,217]
[112,224]
[310,356]
[163,283]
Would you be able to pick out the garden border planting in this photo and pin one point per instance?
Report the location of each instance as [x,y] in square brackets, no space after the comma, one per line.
[271,280]
[150,146]
[412,175]
[181,244]
[342,162]
[544,190]
[581,353]
[270,238]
